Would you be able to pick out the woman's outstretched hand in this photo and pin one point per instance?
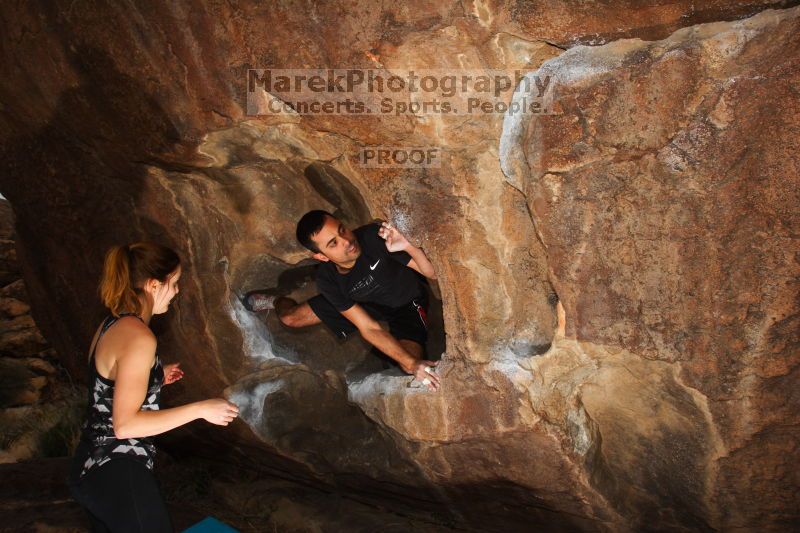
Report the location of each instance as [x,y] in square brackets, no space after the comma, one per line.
[219,411]
[172,373]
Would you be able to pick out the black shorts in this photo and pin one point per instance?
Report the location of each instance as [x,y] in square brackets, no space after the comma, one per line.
[408,321]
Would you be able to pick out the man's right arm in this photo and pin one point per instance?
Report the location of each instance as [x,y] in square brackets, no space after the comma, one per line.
[373,333]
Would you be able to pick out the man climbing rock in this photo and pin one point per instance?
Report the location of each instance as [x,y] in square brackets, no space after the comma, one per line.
[366,275]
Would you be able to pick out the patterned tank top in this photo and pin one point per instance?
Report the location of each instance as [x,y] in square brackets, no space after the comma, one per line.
[97,433]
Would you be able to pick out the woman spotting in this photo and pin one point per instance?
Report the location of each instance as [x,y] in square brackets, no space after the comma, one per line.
[111,475]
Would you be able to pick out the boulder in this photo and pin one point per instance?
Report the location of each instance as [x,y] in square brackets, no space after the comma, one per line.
[21,337]
[15,290]
[655,199]
[12,308]
[19,385]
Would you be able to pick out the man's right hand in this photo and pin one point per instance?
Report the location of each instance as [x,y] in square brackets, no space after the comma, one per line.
[424,371]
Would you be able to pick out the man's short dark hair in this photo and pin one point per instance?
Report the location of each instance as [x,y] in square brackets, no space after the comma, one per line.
[310,224]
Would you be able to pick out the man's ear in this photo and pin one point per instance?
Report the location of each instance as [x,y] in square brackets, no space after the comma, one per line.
[319,256]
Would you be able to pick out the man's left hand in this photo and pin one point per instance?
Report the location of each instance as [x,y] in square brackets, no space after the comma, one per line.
[395,241]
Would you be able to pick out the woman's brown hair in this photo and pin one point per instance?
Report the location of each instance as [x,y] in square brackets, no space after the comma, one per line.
[125,270]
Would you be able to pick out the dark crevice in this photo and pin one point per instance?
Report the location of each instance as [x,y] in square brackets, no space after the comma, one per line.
[337,190]
[316,346]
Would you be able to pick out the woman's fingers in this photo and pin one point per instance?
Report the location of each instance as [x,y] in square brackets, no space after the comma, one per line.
[219,411]
[231,412]
[172,373]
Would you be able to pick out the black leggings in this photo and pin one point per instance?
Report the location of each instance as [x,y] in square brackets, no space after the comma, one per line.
[122,495]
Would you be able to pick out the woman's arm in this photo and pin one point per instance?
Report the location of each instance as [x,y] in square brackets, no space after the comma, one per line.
[132,376]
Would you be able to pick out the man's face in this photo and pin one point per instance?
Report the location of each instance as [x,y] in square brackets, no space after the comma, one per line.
[336,243]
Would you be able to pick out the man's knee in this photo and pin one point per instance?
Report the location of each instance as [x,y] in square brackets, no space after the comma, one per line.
[286,308]
[413,347]
[295,315]
[290,320]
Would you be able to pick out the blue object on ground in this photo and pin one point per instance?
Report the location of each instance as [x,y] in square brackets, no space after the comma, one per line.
[210,525]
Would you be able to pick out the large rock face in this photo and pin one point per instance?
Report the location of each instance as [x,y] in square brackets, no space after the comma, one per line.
[666,193]
[657,202]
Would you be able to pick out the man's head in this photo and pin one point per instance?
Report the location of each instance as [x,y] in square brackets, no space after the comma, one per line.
[327,238]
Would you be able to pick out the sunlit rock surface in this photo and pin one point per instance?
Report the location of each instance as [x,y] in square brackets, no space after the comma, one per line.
[666,192]
[658,203]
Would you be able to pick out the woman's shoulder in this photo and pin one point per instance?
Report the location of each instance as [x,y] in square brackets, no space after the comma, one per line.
[130,328]
[127,337]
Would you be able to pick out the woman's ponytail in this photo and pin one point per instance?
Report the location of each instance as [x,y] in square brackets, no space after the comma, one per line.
[125,267]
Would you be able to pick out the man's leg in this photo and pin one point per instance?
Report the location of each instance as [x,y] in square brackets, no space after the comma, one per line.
[315,310]
[412,347]
[408,325]
[295,315]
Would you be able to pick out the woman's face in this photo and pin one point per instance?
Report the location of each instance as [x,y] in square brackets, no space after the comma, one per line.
[163,292]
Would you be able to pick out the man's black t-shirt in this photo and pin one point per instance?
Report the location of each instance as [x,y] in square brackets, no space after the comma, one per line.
[378,276]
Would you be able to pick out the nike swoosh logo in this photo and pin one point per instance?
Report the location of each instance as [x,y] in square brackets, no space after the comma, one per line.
[372,267]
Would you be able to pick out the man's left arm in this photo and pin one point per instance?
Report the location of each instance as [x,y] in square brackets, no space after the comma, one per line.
[420,262]
[397,242]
